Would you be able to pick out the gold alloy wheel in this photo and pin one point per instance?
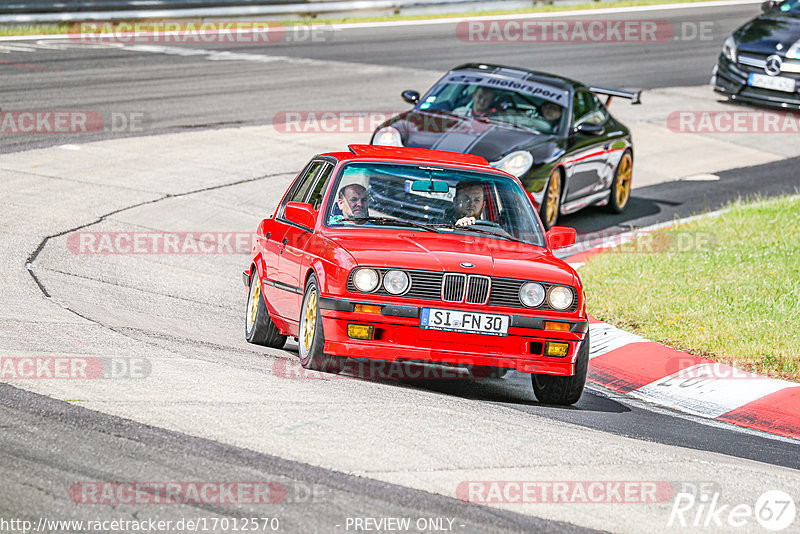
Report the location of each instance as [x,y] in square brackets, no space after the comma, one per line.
[252,306]
[624,174]
[309,320]
[553,198]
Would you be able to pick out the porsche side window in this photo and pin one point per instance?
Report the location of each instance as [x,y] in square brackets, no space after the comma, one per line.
[324,176]
[587,108]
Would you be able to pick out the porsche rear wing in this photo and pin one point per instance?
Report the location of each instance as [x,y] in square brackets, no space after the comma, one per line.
[634,96]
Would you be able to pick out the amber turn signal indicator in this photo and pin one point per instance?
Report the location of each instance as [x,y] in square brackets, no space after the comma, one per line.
[552,325]
[367,308]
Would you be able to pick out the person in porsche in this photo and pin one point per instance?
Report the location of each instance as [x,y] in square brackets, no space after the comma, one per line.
[401,285]
[481,106]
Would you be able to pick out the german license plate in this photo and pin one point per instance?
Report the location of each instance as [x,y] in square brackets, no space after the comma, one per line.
[464,321]
[776,83]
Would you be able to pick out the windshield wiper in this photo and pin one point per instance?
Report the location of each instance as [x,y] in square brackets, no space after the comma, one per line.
[393,220]
[472,228]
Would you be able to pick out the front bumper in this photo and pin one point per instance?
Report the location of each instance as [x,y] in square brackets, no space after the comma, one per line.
[398,337]
[731,80]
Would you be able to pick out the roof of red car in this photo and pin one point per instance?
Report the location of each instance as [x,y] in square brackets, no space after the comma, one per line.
[410,154]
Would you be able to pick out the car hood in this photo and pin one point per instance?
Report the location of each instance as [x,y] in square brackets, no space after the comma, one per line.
[763,34]
[444,132]
[442,252]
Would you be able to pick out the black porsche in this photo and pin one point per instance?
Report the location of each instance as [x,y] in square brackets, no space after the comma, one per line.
[551,132]
[760,62]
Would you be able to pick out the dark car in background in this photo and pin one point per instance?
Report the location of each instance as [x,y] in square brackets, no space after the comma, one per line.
[760,62]
[552,133]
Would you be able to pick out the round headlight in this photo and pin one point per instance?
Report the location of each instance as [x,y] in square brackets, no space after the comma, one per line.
[387,137]
[531,294]
[366,280]
[516,163]
[396,282]
[560,297]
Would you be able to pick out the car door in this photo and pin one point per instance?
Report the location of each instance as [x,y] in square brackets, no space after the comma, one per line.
[281,290]
[587,150]
[293,256]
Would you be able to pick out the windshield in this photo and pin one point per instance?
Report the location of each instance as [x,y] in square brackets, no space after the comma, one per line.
[434,199]
[487,101]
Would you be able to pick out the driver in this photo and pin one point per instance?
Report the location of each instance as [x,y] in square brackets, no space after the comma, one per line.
[482,99]
[468,203]
[353,202]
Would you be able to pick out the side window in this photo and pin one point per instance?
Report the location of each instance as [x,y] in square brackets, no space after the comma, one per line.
[302,184]
[322,184]
[308,180]
[586,107]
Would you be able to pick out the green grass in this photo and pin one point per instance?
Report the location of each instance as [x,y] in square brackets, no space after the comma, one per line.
[61,28]
[726,288]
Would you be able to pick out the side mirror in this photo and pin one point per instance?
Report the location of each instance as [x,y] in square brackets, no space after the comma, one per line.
[412,97]
[261,231]
[301,214]
[561,237]
[766,6]
[590,128]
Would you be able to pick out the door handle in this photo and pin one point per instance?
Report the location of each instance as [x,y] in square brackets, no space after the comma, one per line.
[285,240]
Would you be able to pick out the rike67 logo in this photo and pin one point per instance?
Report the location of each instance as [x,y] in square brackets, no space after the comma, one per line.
[700,506]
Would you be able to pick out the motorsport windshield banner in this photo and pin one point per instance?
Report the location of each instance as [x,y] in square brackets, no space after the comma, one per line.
[553,94]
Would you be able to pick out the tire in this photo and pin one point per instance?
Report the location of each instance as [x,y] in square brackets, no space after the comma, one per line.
[551,203]
[258,326]
[621,184]
[563,390]
[311,338]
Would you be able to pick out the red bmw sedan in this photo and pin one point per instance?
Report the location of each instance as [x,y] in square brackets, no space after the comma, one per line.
[415,255]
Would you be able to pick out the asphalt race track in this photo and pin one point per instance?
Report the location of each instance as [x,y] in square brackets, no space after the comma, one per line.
[205,156]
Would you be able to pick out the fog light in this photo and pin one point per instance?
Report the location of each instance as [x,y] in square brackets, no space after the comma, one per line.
[367,308]
[551,325]
[557,350]
[359,331]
